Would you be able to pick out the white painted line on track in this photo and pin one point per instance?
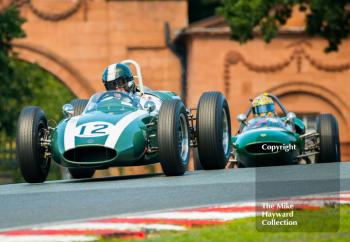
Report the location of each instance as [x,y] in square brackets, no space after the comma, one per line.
[47,238]
[200,215]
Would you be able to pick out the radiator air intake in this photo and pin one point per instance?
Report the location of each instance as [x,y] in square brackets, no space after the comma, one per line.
[257,148]
[90,154]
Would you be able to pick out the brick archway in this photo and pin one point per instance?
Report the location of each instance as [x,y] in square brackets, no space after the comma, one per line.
[56,66]
[325,95]
[76,39]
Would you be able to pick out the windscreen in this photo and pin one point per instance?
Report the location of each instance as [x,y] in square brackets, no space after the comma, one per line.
[270,122]
[111,101]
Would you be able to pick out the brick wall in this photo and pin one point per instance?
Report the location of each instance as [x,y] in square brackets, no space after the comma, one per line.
[100,33]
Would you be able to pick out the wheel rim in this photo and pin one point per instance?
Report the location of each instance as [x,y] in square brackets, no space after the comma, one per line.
[225,131]
[183,142]
[43,160]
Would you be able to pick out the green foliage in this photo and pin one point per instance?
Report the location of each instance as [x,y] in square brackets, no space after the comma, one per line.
[325,18]
[10,28]
[13,87]
[48,92]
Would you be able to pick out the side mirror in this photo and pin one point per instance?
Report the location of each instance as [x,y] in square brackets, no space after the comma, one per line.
[291,116]
[290,119]
[150,106]
[242,118]
[68,110]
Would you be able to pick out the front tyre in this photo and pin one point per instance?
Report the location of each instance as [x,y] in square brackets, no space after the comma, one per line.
[213,131]
[173,138]
[327,127]
[33,161]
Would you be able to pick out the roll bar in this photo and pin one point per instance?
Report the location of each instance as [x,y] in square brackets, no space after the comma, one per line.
[283,108]
[138,73]
[249,111]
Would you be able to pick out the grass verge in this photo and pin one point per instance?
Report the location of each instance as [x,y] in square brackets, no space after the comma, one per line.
[245,230]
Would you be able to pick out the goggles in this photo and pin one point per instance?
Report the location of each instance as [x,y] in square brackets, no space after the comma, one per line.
[121,82]
[264,109]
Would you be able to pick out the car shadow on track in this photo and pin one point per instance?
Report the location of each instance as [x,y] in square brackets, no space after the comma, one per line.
[114,178]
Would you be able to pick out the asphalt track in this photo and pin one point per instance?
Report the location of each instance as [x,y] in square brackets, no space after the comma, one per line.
[28,204]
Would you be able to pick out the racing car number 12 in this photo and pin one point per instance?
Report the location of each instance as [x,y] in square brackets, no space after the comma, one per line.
[93,129]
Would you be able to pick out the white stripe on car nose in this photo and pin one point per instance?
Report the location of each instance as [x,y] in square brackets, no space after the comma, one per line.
[114,132]
[69,133]
[119,127]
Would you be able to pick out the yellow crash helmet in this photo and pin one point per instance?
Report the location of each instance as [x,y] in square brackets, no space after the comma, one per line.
[263,106]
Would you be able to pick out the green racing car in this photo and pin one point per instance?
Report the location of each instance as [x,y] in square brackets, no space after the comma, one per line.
[282,140]
[115,129]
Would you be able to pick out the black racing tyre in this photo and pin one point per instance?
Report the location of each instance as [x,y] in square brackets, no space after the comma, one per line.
[173,137]
[213,129]
[79,105]
[79,173]
[327,127]
[31,126]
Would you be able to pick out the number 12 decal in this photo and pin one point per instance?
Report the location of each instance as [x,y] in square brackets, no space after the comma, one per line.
[93,129]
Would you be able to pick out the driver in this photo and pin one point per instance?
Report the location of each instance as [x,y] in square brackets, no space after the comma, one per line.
[119,77]
[263,106]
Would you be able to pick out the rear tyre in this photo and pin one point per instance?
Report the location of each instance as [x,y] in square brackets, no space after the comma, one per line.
[327,127]
[173,138]
[213,131]
[79,106]
[33,162]
[79,173]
